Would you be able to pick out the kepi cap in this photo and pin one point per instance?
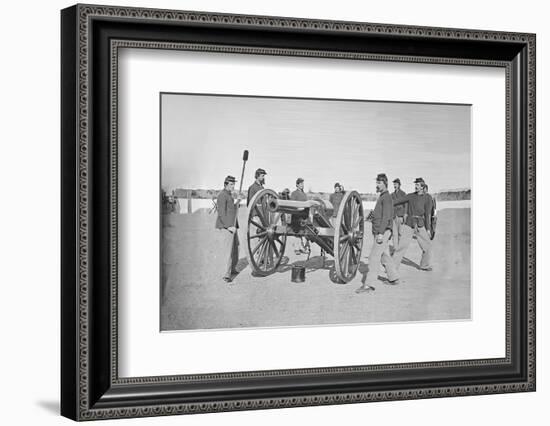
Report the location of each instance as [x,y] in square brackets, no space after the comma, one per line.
[299,180]
[230,179]
[382,177]
[260,172]
[337,184]
[397,180]
[419,180]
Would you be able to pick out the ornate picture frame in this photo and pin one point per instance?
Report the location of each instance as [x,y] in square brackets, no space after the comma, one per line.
[91,37]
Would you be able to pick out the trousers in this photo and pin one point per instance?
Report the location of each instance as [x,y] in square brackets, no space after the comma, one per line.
[380,255]
[423,241]
[397,231]
[230,245]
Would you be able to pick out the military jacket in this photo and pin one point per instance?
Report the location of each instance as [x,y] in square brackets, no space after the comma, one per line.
[382,214]
[227,210]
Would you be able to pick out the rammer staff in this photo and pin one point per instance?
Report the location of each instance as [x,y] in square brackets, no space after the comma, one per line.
[245,159]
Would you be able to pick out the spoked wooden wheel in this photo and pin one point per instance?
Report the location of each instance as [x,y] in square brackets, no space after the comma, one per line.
[266,234]
[348,236]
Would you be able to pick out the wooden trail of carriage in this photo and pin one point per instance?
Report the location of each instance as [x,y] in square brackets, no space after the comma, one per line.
[271,220]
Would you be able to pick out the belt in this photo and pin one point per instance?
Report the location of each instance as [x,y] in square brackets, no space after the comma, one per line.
[415,222]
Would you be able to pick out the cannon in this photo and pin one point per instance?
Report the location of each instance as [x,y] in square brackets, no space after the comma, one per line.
[271,220]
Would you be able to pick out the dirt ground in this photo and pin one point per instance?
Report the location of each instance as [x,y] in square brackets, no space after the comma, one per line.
[194,296]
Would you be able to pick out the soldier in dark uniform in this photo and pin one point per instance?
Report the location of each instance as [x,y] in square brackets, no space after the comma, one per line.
[399,212]
[417,223]
[296,219]
[433,212]
[227,225]
[427,194]
[298,194]
[382,224]
[335,199]
[285,195]
[258,184]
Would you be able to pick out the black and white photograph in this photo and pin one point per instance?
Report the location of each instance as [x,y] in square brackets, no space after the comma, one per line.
[281,212]
[270,208]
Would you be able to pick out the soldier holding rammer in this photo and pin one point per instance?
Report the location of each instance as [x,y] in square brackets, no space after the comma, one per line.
[227,225]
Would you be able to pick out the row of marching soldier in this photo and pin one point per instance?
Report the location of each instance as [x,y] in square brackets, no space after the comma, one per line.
[401,217]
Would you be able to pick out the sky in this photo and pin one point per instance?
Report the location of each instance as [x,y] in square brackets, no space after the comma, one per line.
[323,141]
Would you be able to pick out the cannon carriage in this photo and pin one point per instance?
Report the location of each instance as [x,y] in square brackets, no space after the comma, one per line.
[271,220]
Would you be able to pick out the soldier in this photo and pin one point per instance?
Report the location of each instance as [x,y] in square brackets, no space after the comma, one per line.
[432,200]
[433,212]
[398,212]
[285,195]
[382,224]
[227,225]
[298,194]
[335,199]
[417,223]
[425,190]
[258,184]
[296,219]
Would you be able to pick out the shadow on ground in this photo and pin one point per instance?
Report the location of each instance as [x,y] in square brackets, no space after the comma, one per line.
[50,406]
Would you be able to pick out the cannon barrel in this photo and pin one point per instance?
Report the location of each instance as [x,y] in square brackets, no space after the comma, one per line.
[277,205]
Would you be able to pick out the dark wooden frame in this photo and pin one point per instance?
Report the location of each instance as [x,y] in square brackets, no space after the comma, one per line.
[90,386]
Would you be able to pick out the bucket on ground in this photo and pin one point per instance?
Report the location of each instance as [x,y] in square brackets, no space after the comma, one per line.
[298,274]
